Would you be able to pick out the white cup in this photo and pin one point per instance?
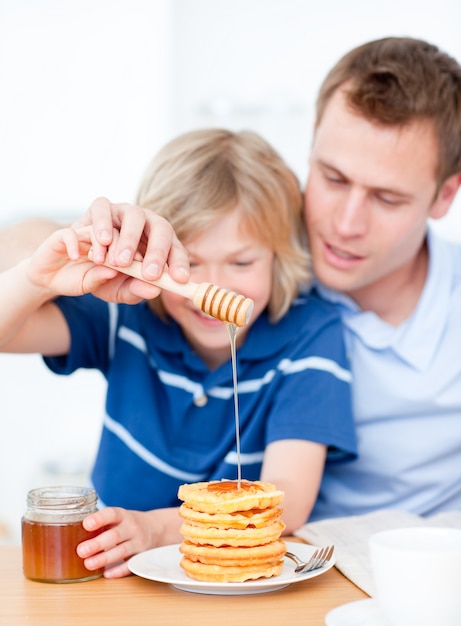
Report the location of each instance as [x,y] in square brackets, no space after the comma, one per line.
[417,575]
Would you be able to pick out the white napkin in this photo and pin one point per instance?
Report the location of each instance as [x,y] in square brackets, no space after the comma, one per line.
[350,536]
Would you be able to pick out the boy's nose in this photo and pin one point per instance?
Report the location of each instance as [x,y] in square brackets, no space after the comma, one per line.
[212,274]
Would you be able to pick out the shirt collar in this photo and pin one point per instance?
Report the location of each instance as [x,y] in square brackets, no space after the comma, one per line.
[416,339]
[261,343]
[264,340]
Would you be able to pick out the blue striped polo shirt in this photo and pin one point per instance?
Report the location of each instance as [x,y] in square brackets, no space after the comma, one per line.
[170,420]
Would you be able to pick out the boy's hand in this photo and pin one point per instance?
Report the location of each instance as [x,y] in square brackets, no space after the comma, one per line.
[140,234]
[61,265]
[124,533]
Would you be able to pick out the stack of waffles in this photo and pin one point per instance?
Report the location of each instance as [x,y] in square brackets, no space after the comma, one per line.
[231,530]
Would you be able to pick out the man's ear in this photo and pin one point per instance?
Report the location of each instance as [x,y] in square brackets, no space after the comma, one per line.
[445,196]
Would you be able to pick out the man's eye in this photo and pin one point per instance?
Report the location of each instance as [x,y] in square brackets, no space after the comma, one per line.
[334,178]
[391,201]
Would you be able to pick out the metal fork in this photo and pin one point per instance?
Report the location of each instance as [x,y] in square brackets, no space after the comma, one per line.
[318,559]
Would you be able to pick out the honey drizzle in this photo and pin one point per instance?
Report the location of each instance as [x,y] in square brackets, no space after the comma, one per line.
[232,330]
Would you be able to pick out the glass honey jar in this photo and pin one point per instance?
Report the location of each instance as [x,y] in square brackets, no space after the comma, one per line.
[51,531]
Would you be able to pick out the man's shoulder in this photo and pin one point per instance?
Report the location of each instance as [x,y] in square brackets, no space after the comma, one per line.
[450,249]
[444,264]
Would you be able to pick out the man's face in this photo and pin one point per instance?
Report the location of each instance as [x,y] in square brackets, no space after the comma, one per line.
[369,193]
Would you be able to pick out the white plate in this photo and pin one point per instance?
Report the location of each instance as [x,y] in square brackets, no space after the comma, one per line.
[359,613]
[162,565]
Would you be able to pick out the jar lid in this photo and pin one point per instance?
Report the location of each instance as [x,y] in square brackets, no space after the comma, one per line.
[64,498]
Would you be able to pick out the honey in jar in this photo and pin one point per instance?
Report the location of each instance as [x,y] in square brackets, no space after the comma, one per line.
[51,531]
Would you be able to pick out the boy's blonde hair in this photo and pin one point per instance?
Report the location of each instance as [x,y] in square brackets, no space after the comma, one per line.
[203,174]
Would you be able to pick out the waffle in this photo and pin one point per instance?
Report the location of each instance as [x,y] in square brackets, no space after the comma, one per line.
[224,497]
[256,518]
[219,573]
[231,531]
[232,536]
[270,552]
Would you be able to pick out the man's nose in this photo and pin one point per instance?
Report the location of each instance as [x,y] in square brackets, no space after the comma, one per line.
[351,216]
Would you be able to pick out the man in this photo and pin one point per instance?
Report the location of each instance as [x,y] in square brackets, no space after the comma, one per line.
[386,156]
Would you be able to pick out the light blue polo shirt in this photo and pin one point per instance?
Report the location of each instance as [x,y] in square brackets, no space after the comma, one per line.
[406,399]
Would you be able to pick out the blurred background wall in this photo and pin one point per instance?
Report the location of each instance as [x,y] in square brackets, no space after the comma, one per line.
[91,89]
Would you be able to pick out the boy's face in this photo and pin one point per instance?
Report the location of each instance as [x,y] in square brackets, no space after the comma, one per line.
[226,256]
[369,193]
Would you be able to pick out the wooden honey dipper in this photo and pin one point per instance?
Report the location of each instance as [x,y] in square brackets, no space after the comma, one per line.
[224,305]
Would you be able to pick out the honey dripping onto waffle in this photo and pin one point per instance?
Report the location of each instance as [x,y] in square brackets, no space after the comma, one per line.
[232,330]
[231,485]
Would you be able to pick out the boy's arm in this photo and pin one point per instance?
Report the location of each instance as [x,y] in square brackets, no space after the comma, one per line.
[29,322]
[20,240]
[295,467]
[133,225]
[60,266]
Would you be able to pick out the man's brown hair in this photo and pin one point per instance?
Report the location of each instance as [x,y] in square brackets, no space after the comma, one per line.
[399,80]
